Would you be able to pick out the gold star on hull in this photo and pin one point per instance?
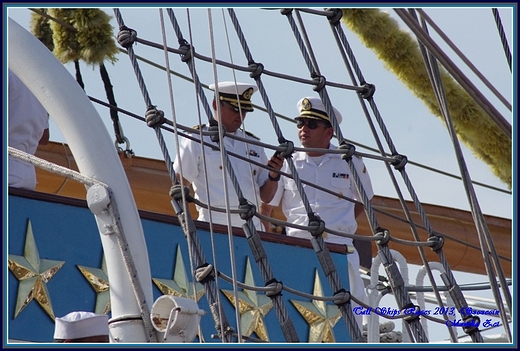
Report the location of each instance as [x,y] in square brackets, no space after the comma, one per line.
[252,307]
[321,317]
[33,275]
[98,279]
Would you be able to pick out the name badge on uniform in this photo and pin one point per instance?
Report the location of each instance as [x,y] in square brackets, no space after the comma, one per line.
[340,175]
[253,153]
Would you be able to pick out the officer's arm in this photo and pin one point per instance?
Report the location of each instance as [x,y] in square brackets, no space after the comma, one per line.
[268,189]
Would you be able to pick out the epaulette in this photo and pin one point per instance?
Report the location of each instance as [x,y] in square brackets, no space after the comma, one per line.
[251,135]
[357,156]
[198,126]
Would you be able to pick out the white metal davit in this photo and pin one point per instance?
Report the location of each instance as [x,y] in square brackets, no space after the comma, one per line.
[113,205]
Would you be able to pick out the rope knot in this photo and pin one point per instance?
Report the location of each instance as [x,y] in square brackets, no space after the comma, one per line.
[288,149]
[437,242]
[471,324]
[177,190]
[351,149]
[185,50]
[276,288]
[368,90]
[341,297]
[316,225]
[204,273]
[411,312]
[126,37]
[399,161]
[334,15]
[320,82]
[247,209]
[154,117]
[383,236]
[214,132]
[256,69]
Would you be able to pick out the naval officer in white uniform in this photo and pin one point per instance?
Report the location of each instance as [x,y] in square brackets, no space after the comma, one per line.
[329,171]
[256,183]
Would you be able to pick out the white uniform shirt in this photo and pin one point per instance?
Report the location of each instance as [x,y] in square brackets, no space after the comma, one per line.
[250,177]
[332,173]
[27,120]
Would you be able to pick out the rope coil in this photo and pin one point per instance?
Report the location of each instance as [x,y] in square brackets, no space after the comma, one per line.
[154,117]
[399,161]
[320,80]
[205,273]
[341,297]
[351,149]
[177,191]
[316,225]
[334,16]
[473,321]
[368,90]
[256,70]
[276,288]
[384,236]
[186,51]
[437,242]
[287,149]
[126,37]
[248,210]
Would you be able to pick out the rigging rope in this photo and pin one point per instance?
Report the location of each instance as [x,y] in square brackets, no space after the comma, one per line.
[503,37]
[154,119]
[482,231]
[249,228]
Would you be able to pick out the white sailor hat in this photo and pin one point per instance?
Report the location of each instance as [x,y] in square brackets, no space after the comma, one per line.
[80,324]
[313,108]
[232,93]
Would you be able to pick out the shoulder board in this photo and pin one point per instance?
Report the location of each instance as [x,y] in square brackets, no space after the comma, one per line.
[199,126]
[358,156]
[252,135]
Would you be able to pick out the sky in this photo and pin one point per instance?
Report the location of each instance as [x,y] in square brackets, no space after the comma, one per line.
[415,132]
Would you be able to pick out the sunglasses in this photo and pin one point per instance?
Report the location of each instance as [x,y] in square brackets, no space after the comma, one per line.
[310,123]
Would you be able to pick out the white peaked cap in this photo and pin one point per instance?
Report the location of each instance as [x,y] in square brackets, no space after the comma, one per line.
[81,325]
[313,108]
[229,91]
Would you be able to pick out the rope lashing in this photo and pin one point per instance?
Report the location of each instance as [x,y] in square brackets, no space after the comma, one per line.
[351,149]
[437,242]
[320,80]
[341,297]
[275,286]
[177,190]
[471,324]
[247,209]
[316,225]
[368,90]
[383,235]
[399,161]
[255,243]
[409,314]
[256,69]
[204,273]
[288,149]
[154,117]
[394,276]
[334,16]
[186,50]
[214,132]
[126,36]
